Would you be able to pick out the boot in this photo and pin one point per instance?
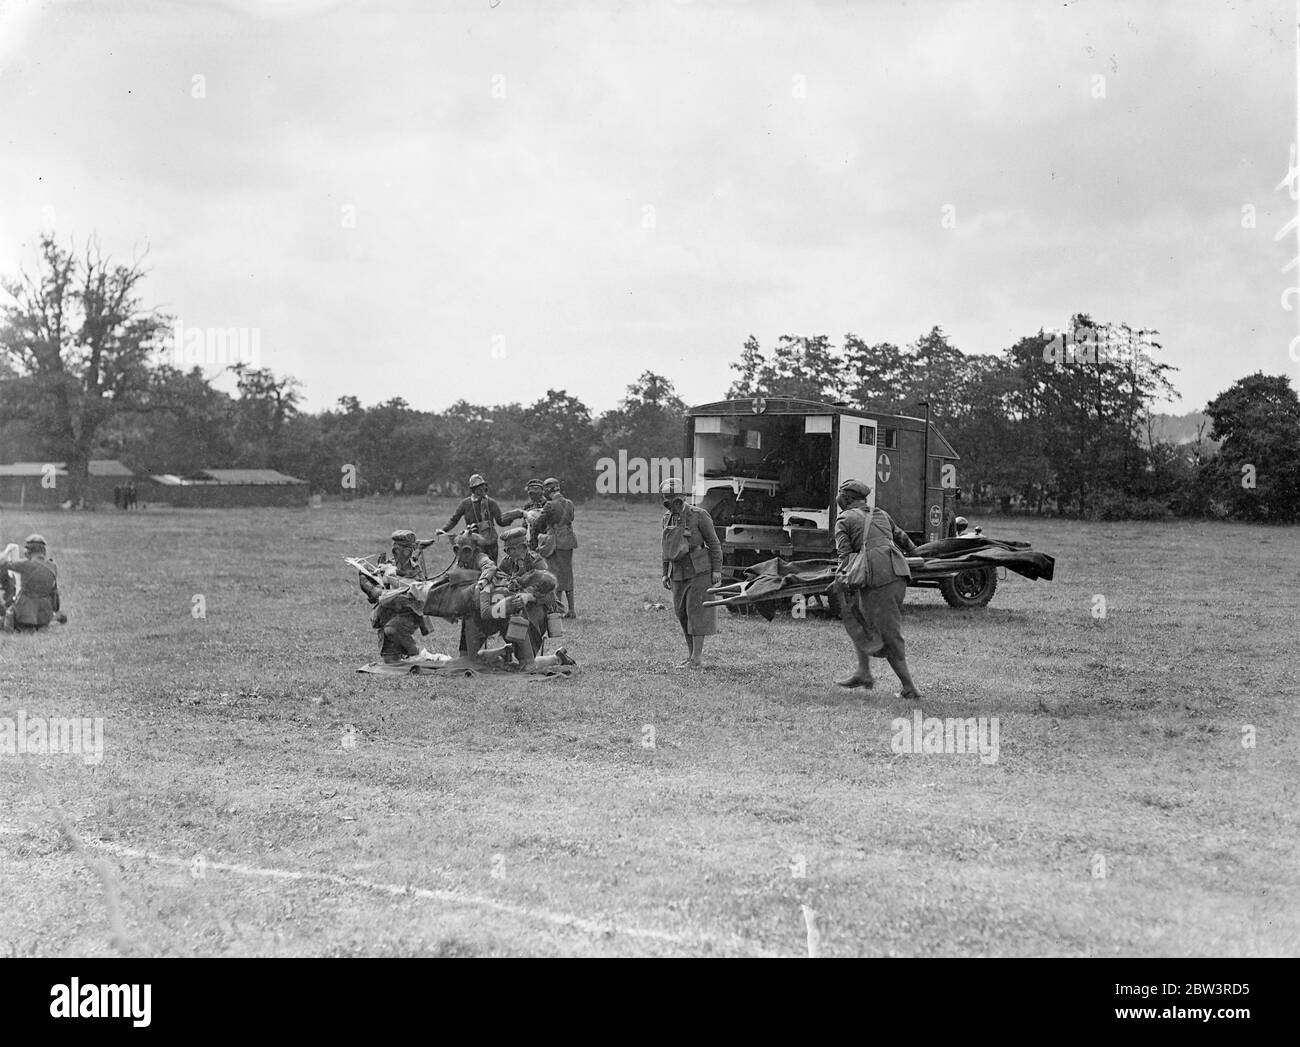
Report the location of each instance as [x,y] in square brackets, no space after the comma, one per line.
[569,611]
[861,678]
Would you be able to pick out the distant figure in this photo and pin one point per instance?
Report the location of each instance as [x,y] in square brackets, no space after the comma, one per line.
[430,493]
[117,496]
[130,495]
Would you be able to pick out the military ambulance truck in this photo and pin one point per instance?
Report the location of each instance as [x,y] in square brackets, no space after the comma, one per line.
[768,470]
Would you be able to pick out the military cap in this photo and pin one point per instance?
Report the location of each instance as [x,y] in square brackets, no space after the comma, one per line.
[856,487]
[533,483]
[404,537]
[477,481]
[513,536]
[33,540]
[673,485]
[550,481]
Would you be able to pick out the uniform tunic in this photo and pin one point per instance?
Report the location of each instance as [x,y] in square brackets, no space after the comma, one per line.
[536,611]
[396,628]
[515,515]
[878,607]
[557,520]
[482,517]
[691,555]
[39,599]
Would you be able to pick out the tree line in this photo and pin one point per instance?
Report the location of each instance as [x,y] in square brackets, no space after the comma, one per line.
[1059,421]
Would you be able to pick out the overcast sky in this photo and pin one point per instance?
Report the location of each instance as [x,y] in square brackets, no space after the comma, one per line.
[441,200]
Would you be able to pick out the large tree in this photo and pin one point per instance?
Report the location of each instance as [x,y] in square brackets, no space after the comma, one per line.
[266,404]
[179,424]
[77,346]
[1257,470]
[560,441]
[1084,399]
[648,423]
[877,376]
[937,373]
[802,366]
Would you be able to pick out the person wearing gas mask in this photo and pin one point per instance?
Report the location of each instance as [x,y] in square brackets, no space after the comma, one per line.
[872,582]
[692,562]
[481,514]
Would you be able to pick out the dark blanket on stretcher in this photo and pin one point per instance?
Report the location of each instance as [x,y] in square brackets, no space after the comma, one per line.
[778,579]
[986,552]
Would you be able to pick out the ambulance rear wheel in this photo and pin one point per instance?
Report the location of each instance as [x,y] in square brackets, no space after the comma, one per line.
[973,588]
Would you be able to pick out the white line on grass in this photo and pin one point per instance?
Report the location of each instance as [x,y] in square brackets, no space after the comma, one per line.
[559,919]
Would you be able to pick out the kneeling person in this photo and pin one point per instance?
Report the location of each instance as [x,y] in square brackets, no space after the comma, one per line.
[522,585]
[396,617]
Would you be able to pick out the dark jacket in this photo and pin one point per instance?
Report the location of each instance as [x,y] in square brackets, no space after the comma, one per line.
[408,566]
[874,530]
[479,519]
[508,568]
[694,540]
[38,602]
[557,519]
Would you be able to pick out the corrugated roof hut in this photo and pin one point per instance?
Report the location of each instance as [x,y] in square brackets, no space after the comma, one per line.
[46,483]
[227,488]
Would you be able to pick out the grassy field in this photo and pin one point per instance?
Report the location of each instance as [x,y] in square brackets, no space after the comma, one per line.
[258,796]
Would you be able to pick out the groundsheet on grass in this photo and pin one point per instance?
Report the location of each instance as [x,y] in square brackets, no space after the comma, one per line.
[462,667]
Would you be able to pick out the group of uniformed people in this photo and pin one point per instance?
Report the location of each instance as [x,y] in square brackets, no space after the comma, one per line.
[547,520]
[871,580]
[531,565]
